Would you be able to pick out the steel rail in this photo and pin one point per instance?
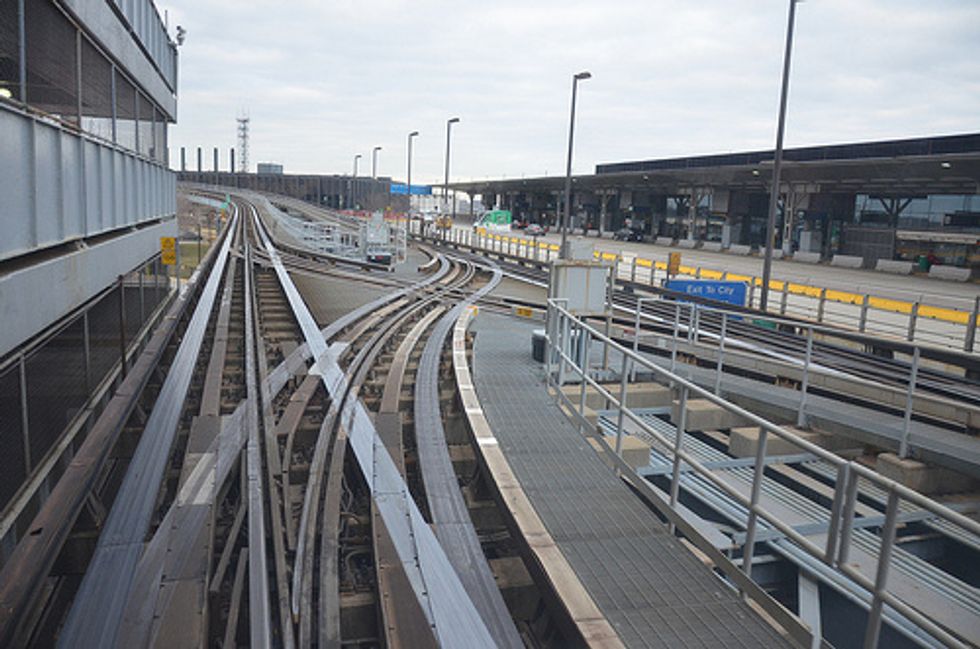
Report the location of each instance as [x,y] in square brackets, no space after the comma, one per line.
[452,614]
[96,611]
[450,515]
[22,577]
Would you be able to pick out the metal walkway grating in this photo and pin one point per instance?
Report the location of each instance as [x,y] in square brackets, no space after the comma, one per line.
[652,590]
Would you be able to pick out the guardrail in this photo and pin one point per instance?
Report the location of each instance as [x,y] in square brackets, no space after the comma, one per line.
[569,339]
[955,328]
[688,320]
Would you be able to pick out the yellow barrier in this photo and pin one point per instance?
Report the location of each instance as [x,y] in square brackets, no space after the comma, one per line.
[843,297]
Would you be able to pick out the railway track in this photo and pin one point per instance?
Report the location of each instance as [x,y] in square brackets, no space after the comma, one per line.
[659,316]
[275,483]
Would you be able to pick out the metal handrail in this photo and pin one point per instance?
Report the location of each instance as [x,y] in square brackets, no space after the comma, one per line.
[561,324]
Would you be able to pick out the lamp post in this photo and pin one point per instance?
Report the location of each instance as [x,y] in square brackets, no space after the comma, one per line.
[445,187]
[568,169]
[778,161]
[353,183]
[408,187]
[374,161]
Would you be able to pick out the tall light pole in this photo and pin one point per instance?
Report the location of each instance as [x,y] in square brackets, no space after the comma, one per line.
[353,183]
[445,187]
[374,161]
[408,182]
[568,169]
[777,166]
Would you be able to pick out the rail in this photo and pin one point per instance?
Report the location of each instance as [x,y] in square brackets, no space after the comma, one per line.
[901,319]
[915,389]
[570,338]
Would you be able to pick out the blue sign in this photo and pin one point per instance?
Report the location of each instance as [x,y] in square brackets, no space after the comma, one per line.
[730,292]
[417,190]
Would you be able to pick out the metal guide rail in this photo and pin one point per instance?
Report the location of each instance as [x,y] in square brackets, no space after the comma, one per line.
[97,609]
[24,574]
[444,601]
[569,340]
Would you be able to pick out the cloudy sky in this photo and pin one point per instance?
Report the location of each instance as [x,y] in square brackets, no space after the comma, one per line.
[325,79]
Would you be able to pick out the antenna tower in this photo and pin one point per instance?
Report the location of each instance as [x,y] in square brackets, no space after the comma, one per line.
[243,144]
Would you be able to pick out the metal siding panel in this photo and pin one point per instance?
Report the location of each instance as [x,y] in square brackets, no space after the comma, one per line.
[15,183]
[93,186]
[71,196]
[47,165]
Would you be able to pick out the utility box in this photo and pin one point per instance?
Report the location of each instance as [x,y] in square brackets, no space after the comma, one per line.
[586,285]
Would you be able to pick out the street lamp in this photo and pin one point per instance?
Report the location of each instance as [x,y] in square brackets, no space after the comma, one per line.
[374,161]
[445,187]
[568,169]
[408,187]
[353,183]
[777,162]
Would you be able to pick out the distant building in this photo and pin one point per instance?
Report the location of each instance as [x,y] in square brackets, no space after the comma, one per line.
[269,168]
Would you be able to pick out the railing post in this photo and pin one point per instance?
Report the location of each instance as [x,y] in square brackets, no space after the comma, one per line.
[653,273]
[675,479]
[863,322]
[913,317]
[903,448]
[847,518]
[623,382]
[873,630]
[549,339]
[971,326]
[636,333]
[564,349]
[721,351]
[752,293]
[821,304]
[836,508]
[800,415]
[784,298]
[122,322]
[25,419]
[633,269]
[583,364]
[760,467]
[677,324]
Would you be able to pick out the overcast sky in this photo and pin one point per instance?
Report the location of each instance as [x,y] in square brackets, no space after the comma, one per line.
[325,79]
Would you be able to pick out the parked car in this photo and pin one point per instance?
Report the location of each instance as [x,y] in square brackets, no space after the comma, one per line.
[534,230]
[628,234]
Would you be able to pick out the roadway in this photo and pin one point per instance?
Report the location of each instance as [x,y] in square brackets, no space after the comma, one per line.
[954,295]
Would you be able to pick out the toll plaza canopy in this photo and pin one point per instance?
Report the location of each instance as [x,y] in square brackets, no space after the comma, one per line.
[910,167]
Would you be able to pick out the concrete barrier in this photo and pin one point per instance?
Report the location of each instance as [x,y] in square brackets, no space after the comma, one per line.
[893,266]
[664,241]
[713,246]
[807,257]
[951,273]
[706,415]
[739,249]
[690,244]
[847,261]
[777,253]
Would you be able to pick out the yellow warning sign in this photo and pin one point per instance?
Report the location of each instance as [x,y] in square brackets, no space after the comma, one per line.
[674,263]
[168,250]
[524,311]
